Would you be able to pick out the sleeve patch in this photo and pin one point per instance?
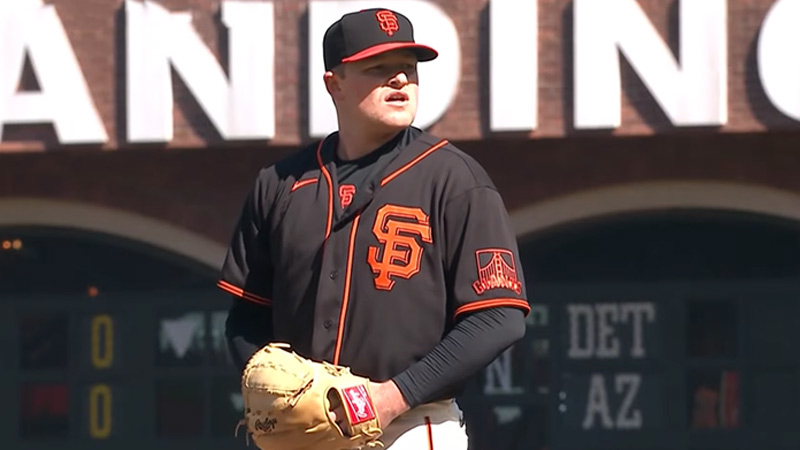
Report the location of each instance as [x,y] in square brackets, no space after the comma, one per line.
[496,270]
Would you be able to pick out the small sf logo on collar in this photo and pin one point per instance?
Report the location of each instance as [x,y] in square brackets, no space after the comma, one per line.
[388,21]
[496,270]
[346,193]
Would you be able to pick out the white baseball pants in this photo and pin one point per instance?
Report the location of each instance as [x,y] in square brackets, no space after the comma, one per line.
[433,426]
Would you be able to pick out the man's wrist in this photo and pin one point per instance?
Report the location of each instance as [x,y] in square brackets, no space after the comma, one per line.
[405,384]
[389,401]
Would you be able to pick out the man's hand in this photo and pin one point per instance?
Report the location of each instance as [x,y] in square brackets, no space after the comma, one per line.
[389,403]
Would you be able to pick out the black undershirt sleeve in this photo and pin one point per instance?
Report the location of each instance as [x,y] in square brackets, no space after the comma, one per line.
[473,343]
[247,329]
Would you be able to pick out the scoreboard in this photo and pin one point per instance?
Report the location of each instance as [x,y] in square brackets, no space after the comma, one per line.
[124,370]
[647,366]
[611,399]
[658,366]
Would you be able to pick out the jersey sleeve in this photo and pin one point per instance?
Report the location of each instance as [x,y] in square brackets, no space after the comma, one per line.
[481,255]
[247,271]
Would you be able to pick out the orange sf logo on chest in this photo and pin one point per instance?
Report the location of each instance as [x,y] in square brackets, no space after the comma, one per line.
[400,255]
[387,21]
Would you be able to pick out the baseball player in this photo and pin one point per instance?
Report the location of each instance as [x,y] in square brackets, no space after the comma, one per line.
[381,247]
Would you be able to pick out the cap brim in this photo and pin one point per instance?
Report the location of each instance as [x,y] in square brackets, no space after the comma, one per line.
[423,52]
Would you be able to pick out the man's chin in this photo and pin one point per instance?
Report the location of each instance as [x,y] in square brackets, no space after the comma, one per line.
[398,122]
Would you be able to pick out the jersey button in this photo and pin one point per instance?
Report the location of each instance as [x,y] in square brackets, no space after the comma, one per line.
[328,323]
[334,274]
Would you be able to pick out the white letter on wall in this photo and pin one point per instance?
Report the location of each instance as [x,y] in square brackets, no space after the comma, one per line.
[240,108]
[513,65]
[597,404]
[499,375]
[64,98]
[692,92]
[438,79]
[640,313]
[607,316]
[577,350]
[778,58]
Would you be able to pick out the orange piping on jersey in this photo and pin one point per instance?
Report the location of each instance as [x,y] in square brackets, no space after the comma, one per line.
[430,432]
[346,296]
[298,184]
[494,302]
[330,189]
[408,165]
[225,286]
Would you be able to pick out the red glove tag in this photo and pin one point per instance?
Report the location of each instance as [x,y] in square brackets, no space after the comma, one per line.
[359,405]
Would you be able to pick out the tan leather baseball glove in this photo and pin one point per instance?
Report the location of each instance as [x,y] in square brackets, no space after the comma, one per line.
[287,399]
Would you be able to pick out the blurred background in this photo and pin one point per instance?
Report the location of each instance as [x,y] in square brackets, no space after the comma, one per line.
[648,152]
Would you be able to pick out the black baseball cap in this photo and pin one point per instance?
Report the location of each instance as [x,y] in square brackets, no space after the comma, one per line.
[359,35]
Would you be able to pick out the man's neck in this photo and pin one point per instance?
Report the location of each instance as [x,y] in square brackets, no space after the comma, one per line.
[354,144]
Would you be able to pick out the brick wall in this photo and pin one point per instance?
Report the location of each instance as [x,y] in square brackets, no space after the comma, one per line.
[202,189]
[198,182]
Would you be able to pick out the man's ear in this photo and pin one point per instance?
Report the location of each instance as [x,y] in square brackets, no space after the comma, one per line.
[332,83]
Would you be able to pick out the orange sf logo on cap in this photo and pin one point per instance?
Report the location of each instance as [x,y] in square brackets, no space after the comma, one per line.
[387,21]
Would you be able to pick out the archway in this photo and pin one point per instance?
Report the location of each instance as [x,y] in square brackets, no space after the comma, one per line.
[34,212]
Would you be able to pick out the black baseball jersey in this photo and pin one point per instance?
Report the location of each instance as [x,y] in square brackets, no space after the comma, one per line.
[422,242]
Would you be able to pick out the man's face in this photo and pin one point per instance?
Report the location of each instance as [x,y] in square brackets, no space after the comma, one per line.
[377,93]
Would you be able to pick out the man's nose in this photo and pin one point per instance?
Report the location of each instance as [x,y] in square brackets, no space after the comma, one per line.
[399,80]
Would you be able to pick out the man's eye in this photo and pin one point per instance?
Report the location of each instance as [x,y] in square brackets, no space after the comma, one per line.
[386,69]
